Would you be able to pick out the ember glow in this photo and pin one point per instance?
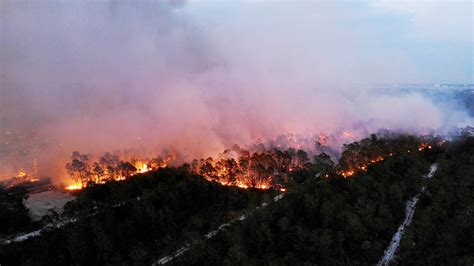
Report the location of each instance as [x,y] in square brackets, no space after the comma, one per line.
[362,167]
[83,171]
[363,164]
[73,187]
[260,166]
[424,146]
[21,178]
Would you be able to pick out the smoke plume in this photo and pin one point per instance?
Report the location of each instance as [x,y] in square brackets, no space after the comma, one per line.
[192,77]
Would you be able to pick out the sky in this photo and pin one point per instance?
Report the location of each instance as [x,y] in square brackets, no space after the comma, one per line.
[199,76]
[412,41]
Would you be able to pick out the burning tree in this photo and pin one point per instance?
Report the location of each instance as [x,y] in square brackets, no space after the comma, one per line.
[125,169]
[256,166]
[98,172]
[84,171]
[109,163]
[263,168]
[79,169]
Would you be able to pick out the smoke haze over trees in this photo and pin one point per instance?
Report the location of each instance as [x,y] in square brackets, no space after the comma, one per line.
[198,78]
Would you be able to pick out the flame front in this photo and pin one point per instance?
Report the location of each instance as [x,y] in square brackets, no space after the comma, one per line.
[363,164]
[142,167]
[255,167]
[109,168]
[424,146]
[73,187]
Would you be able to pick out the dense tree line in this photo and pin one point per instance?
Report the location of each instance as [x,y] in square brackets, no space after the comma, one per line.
[261,168]
[84,170]
[264,167]
[325,221]
[442,231]
[324,218]
[162,210]
[357,156]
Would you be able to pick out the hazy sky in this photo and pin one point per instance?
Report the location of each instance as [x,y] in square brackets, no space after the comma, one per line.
[401,41]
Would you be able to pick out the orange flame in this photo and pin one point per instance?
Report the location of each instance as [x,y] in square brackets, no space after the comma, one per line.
[424,146]
[21,174]
[73,187]
[142,167]
[353,169]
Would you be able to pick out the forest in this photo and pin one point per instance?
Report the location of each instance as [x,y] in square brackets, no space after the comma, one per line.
[85,170]
[133,220]
[340,221]
[443,228]
[325,217]
[325,221]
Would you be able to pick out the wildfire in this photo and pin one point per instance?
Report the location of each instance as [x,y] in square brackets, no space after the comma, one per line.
[424,146]
[253,167]
[258,166]
[363,166]
[21,178]
[21,174]
[347,173]
[263,185]
[73,187]
[378,159]
[142,167]
[239,184]
[243,185]
[353,169]
[109,168]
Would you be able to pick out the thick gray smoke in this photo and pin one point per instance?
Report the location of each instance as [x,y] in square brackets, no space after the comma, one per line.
[103,75]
